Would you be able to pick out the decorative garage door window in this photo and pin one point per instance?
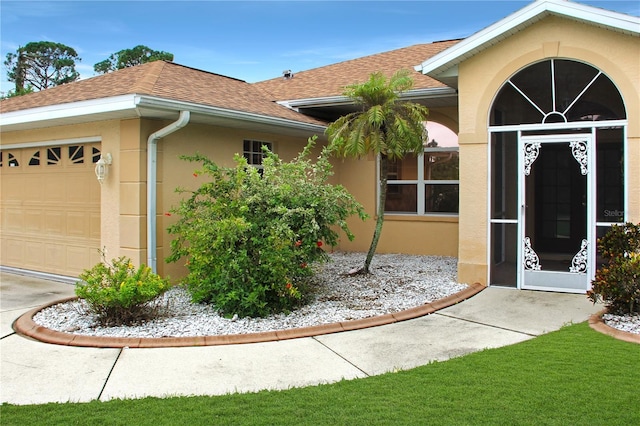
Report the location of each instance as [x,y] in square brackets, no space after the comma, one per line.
[52,156]
[8,159]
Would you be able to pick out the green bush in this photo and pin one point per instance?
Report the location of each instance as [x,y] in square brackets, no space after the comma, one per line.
[118,293]
[250,237]
[617,283]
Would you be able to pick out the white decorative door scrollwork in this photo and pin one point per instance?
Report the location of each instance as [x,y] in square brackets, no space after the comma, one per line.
[555,195]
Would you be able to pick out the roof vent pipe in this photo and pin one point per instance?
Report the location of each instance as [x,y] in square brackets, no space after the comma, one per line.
[152,172]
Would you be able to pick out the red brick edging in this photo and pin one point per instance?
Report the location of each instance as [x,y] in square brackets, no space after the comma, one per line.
[597,323]
[25,326]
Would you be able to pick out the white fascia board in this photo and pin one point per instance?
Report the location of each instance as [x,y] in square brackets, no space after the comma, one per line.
[518,20]
[329,101]
[165,104]
[68,110]
[315,102]
[438,92]
[133,103]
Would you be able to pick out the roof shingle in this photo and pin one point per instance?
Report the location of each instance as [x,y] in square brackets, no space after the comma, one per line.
[332,79]
[178,82]
[164,80]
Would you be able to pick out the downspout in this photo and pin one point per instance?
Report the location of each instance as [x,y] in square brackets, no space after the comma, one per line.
[152,190]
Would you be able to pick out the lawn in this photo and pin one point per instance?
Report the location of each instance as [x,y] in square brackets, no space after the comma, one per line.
[574,376]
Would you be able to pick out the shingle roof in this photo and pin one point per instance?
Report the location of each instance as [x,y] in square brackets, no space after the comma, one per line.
[177,82]
[164,80]
[332,79]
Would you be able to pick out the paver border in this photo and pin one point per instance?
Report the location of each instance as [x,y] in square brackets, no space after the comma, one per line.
[597,323]
[25,326]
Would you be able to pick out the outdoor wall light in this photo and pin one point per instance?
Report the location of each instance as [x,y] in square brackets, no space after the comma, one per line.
[102,167]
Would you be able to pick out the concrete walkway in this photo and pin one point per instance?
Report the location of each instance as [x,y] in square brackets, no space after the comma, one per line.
[32,372]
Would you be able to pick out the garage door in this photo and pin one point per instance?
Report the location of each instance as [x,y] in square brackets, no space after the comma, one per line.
[50,208]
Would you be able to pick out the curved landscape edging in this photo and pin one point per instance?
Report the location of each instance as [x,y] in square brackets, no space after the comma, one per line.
[597,323]
[25,326]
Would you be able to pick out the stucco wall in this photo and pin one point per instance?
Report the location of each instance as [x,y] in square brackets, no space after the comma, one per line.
[480,78]
[412,234]
[218,144]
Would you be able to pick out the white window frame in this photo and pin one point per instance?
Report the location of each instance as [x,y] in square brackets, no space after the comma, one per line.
[251,152]
[421,183]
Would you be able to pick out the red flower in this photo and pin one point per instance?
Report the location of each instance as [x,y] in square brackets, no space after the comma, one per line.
[319,243]
[167,214]
[303,265]
[289,286]
[195,175]
[298,243]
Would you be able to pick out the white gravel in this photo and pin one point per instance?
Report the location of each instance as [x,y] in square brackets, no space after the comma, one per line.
[397,282]
[628,323]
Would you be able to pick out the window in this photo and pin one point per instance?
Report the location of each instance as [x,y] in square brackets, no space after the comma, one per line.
[557,90]
[95,155]
[11,159]
[35,159]
[252,151]
[54,156]
[427,183]
[76,154]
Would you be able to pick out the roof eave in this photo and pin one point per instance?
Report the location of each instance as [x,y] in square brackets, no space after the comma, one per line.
[444,65]
[16,120]
[132,105]
[227,114]
[340,100]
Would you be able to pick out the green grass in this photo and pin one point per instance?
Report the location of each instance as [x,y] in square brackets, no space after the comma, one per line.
[574,376]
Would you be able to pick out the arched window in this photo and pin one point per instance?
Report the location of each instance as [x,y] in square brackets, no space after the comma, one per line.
[557,91]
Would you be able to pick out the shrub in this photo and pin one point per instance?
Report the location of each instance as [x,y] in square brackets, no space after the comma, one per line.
[617,283]
[118,293]
[250,237]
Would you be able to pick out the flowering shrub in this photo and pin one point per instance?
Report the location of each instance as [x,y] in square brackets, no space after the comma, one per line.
[617,283]
[249,237]
[118,293]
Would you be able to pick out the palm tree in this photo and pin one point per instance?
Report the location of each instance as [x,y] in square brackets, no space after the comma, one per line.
[385,126]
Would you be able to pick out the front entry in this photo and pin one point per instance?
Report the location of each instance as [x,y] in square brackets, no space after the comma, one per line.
[556,202]
[558,174]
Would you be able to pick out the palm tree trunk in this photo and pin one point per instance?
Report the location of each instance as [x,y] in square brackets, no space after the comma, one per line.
[384,165]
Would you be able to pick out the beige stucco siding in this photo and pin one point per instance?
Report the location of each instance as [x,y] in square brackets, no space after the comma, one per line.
[413,234]
[218,144]
[480,78]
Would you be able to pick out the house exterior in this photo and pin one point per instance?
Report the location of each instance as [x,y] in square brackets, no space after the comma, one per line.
[533,150]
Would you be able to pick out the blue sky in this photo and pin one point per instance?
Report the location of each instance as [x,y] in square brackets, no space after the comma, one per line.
[251,41]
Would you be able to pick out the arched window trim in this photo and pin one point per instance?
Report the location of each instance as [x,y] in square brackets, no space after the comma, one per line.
[544,115]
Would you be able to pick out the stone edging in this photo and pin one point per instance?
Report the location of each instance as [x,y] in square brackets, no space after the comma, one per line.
[597,323]
[25,326]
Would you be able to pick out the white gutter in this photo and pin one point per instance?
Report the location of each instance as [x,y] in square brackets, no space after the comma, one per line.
[338,100]
[223,113]
[111,105]
[130,106]
[152,171]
